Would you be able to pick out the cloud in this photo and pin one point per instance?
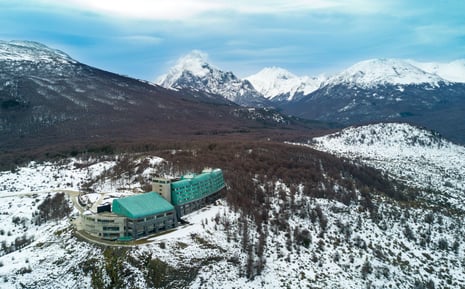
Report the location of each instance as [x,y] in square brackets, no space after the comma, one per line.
[184,10]
[140,9]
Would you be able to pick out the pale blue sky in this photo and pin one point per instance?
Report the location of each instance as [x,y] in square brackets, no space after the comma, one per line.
[142,38]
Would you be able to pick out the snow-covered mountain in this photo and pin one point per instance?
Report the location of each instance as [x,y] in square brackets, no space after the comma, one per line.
[413,155]
[453,71]
[381,90]
[375,72]
[44,93]
[278,84]
[193,71]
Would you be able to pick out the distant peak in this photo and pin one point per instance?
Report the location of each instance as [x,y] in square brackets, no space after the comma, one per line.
[276,82]
[192,71]
[194,55]
[380,71]
[194,62]
[275,72]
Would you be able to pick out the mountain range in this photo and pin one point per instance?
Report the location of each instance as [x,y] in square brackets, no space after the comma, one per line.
[375,90]
[49,99]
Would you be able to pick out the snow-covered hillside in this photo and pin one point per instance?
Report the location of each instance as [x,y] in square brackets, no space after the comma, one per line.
[453,71]
[193,71]
[275,82]
[415,156]
[31,51]
[305,242]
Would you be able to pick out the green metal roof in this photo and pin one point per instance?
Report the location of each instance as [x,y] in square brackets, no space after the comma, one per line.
[194,178]
[193,187]
[141,205]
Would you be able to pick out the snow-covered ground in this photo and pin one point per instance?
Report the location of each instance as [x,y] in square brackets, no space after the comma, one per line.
[412,155]
[308,242]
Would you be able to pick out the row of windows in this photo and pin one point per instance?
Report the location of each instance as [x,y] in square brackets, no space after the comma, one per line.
[186,197]
[200,191]
[203,183]
[195,187]
[105,221]
[93,219]
[111,235]
[111,228]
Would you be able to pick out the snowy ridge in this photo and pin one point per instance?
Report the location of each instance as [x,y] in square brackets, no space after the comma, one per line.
[453,71]
[31,51]
[192,71]
[418,157]
[375,72]
[273,82]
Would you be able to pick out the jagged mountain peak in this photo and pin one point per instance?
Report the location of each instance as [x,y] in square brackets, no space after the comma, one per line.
[193,64]
[383,71]
[196,62]
[279,84]
[31,51]
[192,71]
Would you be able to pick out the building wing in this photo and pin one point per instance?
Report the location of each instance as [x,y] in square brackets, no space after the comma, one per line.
[140,206]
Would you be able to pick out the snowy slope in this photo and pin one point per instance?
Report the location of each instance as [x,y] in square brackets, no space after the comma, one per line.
[193,71]
[453,71]
[275,82]
[31,51]
[323,244]
[415,156]
[375,72]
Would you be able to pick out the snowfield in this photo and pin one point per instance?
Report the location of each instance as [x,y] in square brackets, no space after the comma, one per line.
[307,242]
